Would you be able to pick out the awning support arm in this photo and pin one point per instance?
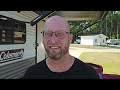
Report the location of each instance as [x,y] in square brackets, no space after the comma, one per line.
[40,17]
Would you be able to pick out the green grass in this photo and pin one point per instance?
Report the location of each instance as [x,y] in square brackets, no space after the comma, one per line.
[110,61]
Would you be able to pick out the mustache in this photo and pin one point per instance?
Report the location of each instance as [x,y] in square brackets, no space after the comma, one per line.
[51,45]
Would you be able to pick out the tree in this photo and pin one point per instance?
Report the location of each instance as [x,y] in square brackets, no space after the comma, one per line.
[109,26]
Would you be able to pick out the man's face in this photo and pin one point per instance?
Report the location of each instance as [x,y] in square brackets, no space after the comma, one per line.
[56,39]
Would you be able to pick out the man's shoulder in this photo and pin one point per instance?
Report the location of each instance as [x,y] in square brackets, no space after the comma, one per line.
[39,65]
[80,62]
[34,70]
[83,65]
[87,69]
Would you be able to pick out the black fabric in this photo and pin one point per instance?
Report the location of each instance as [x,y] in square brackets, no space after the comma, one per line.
[79,70]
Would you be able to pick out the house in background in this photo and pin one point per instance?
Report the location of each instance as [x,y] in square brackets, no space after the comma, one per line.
[98,39]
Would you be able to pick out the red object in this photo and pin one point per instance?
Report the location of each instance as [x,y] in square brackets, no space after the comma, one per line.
[110,76]
[98,68]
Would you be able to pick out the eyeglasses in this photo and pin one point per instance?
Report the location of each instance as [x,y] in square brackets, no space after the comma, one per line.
[58,34]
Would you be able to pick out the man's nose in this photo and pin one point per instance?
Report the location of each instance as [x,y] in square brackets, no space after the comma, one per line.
[53,38]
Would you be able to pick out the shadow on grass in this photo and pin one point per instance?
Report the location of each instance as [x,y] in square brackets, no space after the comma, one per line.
[113,46]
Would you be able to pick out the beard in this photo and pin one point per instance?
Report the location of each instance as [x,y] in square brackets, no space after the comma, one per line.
[57,55]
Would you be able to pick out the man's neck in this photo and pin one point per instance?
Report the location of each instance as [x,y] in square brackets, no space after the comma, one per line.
[60,65]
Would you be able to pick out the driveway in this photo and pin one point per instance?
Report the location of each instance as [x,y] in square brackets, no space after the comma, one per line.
[76,52]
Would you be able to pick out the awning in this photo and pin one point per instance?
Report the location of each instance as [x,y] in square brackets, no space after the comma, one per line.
[71,15]
[81,15]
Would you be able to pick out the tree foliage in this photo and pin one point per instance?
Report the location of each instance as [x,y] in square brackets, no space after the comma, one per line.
[110,26]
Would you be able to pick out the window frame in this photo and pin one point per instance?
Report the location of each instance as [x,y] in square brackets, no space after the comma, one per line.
[12,25]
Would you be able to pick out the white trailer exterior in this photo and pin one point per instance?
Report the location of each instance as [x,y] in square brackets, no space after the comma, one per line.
[15,68]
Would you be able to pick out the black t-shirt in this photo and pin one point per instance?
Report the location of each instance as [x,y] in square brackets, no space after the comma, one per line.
[79,70]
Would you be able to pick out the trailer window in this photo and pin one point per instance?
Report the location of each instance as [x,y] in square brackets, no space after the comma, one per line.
[12,31]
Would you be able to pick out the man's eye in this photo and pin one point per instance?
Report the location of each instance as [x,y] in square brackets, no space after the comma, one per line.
[60,34]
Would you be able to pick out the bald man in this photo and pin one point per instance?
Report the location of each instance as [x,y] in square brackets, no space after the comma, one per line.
[59,64]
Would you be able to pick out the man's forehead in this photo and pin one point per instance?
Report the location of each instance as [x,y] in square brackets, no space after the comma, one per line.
[56,22]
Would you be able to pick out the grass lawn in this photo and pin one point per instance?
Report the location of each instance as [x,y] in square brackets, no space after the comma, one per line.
[110,61]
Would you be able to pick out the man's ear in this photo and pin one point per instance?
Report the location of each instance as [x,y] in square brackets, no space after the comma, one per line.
[71,37]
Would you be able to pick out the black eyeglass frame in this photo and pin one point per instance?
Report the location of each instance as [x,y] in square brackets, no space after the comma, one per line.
[65,32]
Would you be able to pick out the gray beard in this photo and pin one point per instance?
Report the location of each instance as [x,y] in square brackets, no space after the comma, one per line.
[59,55]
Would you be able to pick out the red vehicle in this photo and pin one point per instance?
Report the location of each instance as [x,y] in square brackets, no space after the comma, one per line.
[99,70]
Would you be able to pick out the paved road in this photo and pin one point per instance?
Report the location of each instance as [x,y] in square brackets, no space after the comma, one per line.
[74,51]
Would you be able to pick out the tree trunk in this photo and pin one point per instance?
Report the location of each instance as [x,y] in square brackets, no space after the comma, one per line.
[117,29]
